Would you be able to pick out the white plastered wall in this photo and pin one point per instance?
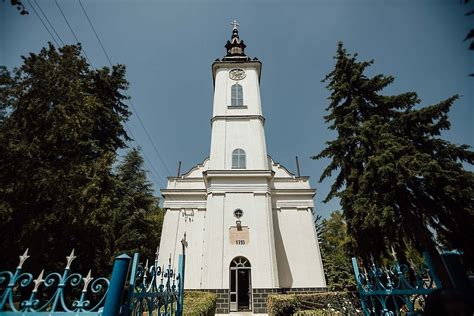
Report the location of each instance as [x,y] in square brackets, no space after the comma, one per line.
[237,127]
[298,256]
[259,251]
[176,223]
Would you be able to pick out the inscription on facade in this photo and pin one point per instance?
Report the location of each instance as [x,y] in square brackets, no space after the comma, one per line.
[239,236]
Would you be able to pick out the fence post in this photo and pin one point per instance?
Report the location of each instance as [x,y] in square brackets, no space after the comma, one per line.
[431,267]
[457,272]
[181,265]
[116,286]
[129,303]
[360,289]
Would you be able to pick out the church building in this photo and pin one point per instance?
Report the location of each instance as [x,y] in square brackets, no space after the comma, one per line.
[248,221]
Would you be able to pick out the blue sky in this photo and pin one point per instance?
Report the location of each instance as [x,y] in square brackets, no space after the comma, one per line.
[169,46]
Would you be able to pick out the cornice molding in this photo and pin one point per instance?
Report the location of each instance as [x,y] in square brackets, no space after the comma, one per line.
[238,173]
[174,193]
[238,117]
[311,192]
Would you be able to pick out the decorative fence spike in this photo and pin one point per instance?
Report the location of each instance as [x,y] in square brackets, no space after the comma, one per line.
[23,259]
[70,259]
[38,281]
[87,280]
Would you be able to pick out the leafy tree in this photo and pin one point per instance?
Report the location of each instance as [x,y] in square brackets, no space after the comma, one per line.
[470,35]
[318,225]
[19,6]
[61,127]
[137,218]
[334,242]
[399,183]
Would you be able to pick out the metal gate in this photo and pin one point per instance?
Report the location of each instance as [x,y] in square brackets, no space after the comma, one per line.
[389,291]
[155,289]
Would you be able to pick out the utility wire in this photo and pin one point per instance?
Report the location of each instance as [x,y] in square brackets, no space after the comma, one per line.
[148,136]
[50,24]
[42,22]
[156,175]
[96,35]
[72,31]
[129,100]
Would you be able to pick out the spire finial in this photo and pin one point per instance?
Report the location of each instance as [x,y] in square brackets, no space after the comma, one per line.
[234,24]
[235,47]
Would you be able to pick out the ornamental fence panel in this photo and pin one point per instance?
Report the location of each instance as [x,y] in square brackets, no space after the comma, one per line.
[151,290]
[155,290]
[396,290]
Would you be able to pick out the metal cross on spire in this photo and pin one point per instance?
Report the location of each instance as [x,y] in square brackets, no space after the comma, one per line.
[234,24]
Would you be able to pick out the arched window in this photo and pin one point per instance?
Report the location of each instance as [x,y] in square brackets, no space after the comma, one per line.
[237,95]
[240,262]
[238,159]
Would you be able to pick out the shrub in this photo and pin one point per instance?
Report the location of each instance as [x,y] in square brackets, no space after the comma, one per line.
[199,303]
[316,312]
[282,304]
[327,304]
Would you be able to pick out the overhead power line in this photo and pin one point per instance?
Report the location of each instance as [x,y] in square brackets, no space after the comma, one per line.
[96,35]
[49,22]
[153,172]
[72,31]
[130,102]
[148,136]
[42,22]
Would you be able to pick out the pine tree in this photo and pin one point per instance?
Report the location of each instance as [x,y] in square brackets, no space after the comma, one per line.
[400,184]
[59,134]
[334,242]
[137,217]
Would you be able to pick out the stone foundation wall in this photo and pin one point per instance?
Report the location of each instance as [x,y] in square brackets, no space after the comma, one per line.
[259,297]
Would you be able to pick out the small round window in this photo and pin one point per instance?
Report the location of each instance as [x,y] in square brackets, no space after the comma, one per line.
[238,213]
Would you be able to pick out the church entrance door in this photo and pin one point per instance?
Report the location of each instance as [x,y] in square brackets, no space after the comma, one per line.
[240,285]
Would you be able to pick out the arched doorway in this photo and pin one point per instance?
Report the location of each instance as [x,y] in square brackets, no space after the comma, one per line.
[240,293]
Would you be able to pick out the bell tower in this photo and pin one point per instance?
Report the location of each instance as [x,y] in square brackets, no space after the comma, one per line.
[238,137]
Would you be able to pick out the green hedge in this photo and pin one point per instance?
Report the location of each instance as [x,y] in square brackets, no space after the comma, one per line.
[324,304]
[317,312]
[199,303]
[282,304]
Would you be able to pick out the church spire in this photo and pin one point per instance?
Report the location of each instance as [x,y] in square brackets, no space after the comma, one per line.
[235,47]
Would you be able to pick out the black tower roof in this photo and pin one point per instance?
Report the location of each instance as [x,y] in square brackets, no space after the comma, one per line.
[235,47]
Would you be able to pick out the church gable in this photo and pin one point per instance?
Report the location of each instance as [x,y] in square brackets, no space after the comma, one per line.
[196,171]
[279,170]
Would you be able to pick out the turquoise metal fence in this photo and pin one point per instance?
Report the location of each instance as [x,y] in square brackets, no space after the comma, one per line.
[388,291]
[154,290]
[150,289]
[61,293]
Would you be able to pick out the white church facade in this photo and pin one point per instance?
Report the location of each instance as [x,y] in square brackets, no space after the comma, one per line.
[248,221]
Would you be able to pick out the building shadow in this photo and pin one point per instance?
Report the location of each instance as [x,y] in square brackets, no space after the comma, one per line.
[284,272]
